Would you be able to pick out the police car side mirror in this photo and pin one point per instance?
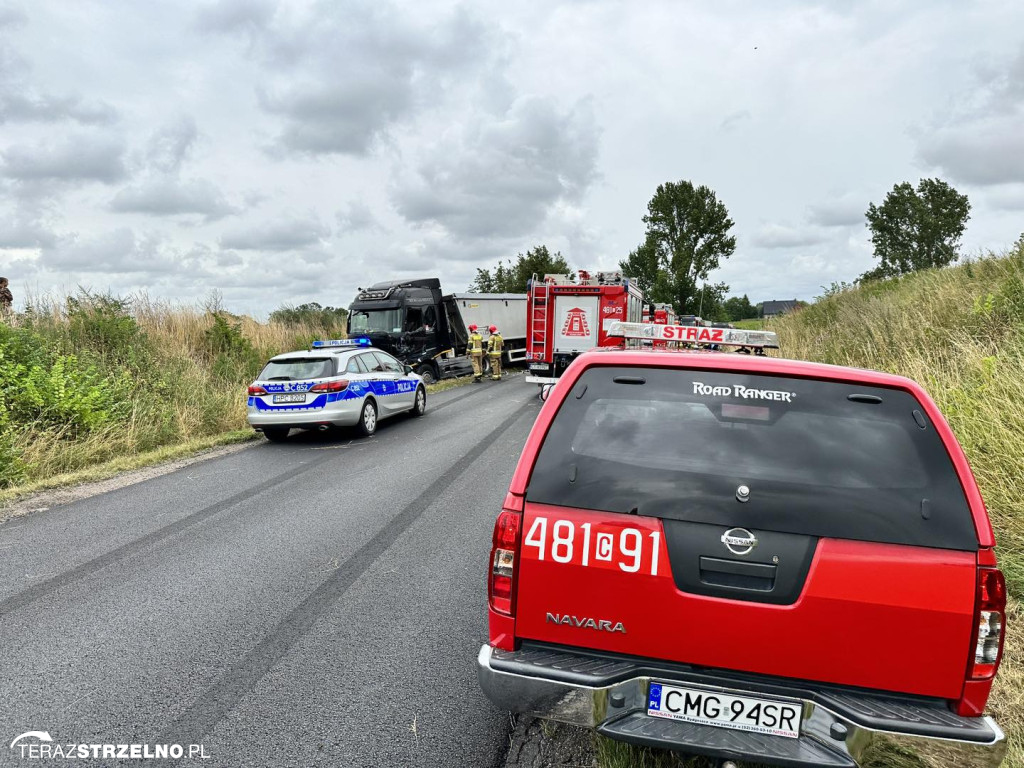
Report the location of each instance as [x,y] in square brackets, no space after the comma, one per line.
[408,369]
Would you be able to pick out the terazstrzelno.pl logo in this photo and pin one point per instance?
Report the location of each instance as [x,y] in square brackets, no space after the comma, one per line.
[39,745]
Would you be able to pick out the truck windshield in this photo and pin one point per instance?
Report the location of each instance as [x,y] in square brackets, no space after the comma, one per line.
[381,320]
[825,458]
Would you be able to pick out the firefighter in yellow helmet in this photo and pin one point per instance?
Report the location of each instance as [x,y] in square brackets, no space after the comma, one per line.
[476,352]
[494,343]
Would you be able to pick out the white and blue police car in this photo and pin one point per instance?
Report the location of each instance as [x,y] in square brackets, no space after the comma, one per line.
[337,383]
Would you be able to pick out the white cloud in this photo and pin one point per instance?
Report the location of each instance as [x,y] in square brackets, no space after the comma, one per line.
[278,235]
[74,158]
[181,152]
[171,197]
[780,236]
[500,176]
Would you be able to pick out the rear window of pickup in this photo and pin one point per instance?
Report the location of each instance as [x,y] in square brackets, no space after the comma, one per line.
[819,458]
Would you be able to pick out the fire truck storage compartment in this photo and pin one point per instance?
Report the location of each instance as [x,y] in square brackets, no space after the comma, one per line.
[577,320]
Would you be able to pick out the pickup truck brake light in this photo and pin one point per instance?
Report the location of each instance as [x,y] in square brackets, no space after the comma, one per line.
[988,629]
[504,551]
[330,386]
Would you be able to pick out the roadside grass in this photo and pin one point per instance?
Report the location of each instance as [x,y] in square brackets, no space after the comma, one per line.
[751,324]
[958,331]
[88,379]
[92,385]
[108,469]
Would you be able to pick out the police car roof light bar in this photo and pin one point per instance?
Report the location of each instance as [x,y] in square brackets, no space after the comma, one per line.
[695,334]
[360,341]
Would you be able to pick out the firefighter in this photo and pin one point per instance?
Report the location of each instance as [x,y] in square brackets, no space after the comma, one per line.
[6,301]
[476,352]
[494,343]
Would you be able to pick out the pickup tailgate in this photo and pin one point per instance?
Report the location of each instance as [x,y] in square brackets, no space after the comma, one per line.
[786,527]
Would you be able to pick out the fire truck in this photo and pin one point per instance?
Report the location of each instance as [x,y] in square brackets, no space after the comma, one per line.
[566,317]
[664,314]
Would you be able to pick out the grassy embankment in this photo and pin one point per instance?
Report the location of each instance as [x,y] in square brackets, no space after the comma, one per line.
[959,332]
[93,385]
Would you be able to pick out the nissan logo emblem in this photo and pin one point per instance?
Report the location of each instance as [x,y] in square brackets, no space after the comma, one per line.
[739,541]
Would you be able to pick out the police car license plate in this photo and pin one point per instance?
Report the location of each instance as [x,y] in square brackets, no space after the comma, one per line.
[295,397]
[723,710]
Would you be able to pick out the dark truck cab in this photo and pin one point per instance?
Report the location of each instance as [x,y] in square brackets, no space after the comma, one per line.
[414,322]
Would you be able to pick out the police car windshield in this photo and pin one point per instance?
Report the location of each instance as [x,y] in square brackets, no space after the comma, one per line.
[298,368]
[382,320]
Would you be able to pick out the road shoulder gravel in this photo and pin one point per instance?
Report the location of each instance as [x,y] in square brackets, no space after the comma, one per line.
[546,744]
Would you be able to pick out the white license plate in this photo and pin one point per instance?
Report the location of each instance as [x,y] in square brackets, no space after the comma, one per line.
[297,397]
[538,366]
[723,710]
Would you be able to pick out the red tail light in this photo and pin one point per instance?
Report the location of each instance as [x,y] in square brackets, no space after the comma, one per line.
[504,551]
[990,618]
[330,386]
[254,390]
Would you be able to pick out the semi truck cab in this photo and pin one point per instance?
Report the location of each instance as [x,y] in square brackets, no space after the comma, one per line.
[427,329]
[415,323]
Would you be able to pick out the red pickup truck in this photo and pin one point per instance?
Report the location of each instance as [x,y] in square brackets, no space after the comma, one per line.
[747,558]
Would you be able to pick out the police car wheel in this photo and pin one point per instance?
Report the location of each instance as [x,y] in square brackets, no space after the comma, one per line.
[420,406]
[368,419]
[276,434]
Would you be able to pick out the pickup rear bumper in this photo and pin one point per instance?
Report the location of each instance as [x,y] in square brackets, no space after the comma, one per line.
[839,726]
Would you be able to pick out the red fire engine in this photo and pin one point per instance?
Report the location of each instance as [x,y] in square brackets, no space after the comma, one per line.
[565,318]
[664,314]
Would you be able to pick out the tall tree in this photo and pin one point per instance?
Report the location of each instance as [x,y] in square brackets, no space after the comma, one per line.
[737,308]
[511,277]
[916,229]
[644,267]
[687,237]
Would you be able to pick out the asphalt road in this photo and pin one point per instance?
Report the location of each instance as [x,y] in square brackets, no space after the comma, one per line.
[319,602]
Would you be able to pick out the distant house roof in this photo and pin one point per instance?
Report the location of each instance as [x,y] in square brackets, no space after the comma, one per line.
[770,308]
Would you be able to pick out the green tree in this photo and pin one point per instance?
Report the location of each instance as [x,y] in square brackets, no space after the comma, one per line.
[737,308]
[687,237]
[511,277]
[310,314]
[644,266]
[916,229]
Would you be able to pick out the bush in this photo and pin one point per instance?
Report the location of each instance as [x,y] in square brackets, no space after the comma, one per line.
[231,355]
[103,324]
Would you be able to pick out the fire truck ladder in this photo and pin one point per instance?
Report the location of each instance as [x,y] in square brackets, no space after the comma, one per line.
[538,318]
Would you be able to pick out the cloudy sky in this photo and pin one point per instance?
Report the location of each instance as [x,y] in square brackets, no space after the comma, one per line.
[284,152]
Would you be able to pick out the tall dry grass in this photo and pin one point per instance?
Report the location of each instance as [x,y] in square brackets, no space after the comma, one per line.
[159,374]
[960,333]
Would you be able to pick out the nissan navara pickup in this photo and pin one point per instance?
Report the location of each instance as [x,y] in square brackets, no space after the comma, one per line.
[747,558]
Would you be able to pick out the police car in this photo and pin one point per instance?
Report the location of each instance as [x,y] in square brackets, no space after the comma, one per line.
[747,558]
[337,383]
